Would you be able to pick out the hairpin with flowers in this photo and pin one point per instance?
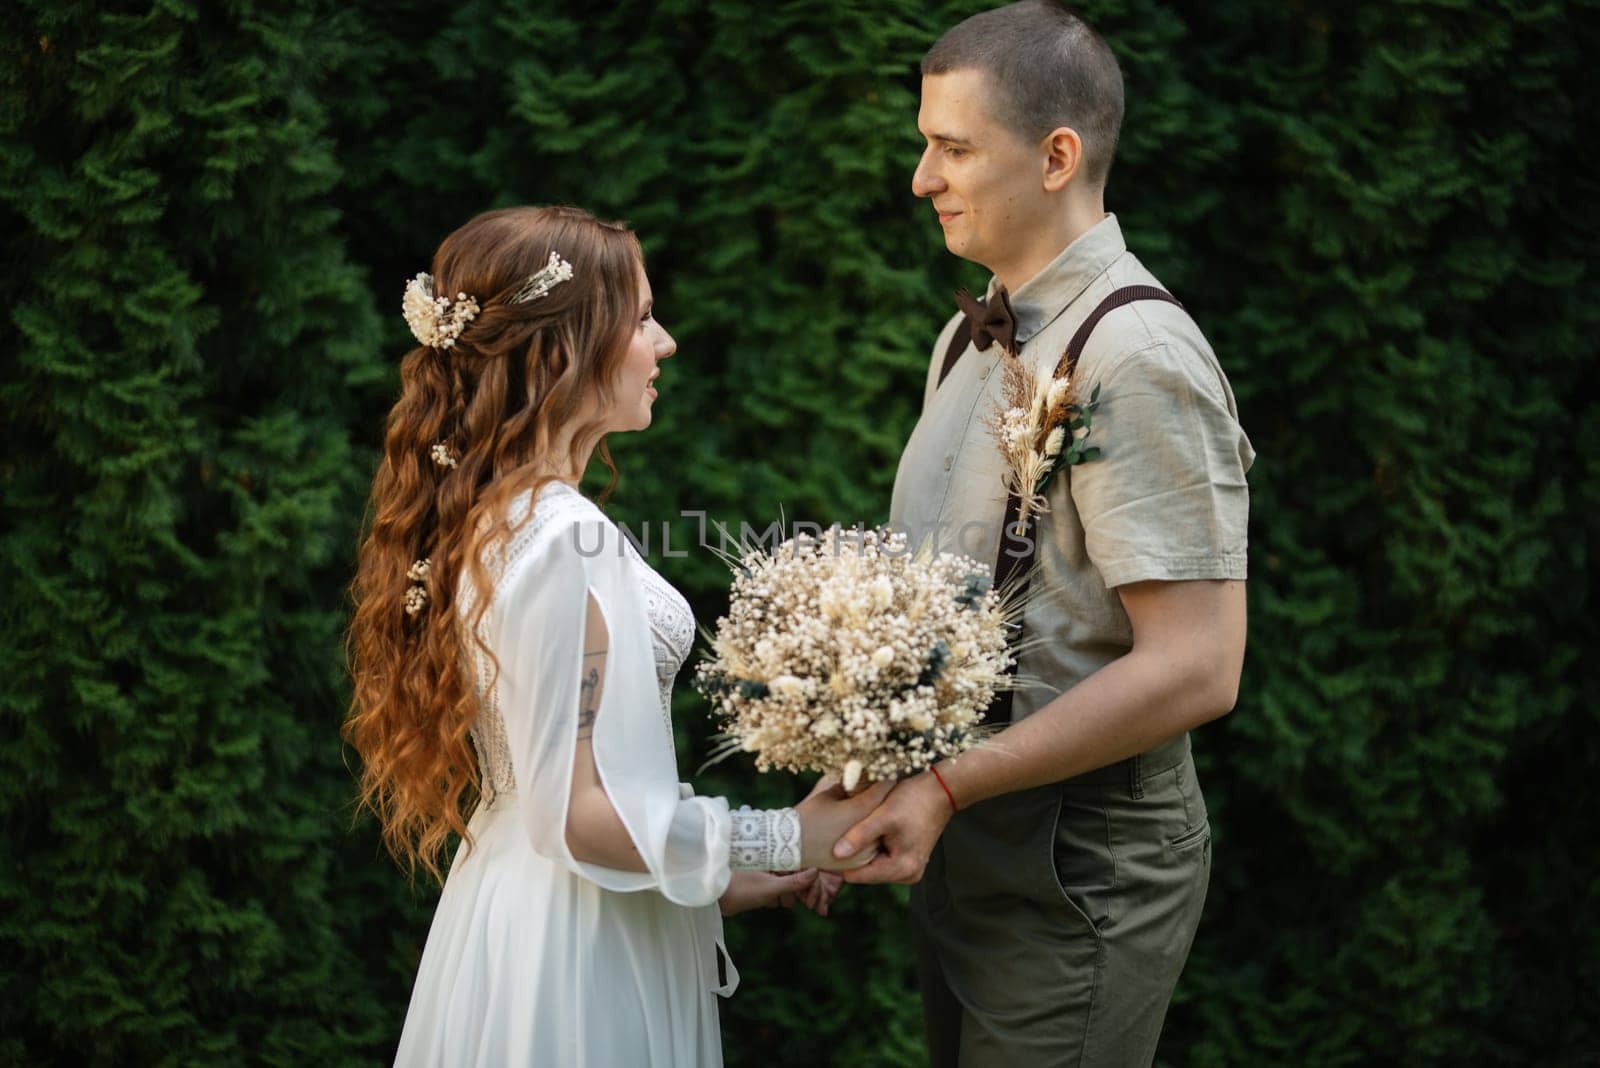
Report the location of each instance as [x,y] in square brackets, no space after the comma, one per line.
[437,321]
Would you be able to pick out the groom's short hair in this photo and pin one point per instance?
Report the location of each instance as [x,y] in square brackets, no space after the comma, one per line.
[1047,68]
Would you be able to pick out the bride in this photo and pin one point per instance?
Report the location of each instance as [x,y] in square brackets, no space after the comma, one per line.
[509,647]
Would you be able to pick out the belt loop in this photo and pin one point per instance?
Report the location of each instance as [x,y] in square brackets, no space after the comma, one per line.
[1135,779]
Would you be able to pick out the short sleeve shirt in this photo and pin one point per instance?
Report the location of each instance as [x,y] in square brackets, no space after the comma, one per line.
[1165,499]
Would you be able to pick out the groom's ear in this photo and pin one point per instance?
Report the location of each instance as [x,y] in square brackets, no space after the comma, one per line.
[1062,157]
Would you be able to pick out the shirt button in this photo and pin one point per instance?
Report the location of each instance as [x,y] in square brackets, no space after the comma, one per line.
[985,373]
[948,460]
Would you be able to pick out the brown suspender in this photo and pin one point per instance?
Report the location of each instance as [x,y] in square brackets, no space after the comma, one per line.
[958,344]
[1014,565]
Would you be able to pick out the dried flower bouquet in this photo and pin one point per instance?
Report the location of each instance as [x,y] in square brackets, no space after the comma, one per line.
[849,653]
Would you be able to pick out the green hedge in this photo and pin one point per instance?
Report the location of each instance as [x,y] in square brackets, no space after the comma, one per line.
[1383,215]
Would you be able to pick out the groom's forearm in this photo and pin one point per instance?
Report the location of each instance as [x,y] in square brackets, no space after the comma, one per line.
[1132,704]
[1181,675]
[1188,649]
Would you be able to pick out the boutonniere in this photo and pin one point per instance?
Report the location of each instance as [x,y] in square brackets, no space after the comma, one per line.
[1041,425]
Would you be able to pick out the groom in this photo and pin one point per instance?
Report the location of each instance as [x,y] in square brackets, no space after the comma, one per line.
[1060,869]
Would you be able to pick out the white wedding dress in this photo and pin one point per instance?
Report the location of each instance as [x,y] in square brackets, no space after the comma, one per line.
[534,957]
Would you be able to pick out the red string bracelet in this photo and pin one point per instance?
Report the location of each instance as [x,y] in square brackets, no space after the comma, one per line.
[943,785]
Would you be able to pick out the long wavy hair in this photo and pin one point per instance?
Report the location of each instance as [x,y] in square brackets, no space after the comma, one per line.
[520,381]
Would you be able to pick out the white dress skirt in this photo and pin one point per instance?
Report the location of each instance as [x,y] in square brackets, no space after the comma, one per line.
[535,957]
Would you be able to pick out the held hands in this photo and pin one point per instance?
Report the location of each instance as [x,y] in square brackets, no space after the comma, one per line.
[827,814]
[820,895]
[898,836]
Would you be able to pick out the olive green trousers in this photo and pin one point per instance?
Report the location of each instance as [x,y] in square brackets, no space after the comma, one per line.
[1051,924]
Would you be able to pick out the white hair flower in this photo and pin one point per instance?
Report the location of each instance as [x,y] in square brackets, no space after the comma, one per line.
[442,455]
[436,321]
[555,271]
[417,596]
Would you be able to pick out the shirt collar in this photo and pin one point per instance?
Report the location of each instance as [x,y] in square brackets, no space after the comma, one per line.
[1039,300]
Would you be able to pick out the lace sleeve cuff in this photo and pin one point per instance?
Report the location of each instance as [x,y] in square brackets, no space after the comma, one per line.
[765,839]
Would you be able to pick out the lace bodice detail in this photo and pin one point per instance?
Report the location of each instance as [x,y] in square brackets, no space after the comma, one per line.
[671,631]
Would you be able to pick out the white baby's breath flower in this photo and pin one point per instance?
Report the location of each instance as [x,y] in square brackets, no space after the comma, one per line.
[416,597]
[787,686]
[435,321]
[555,271]
[883,656]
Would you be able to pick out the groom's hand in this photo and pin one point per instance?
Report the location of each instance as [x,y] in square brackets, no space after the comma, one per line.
[909,821]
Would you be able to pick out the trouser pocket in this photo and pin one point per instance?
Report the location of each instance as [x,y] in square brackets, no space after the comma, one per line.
[1190,839]
[1083,867]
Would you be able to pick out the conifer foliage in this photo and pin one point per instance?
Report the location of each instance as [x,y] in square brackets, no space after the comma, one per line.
[186,340]
[1381,214]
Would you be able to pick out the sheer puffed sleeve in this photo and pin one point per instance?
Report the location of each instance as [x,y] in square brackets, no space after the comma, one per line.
[540,613]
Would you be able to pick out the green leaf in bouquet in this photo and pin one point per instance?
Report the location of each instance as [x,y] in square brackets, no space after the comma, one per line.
[712,685]
[977,585]
[935,665]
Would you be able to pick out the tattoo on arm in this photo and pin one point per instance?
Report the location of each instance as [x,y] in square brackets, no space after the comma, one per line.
[588,690]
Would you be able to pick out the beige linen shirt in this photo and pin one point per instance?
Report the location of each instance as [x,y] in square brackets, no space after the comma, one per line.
[1166,498]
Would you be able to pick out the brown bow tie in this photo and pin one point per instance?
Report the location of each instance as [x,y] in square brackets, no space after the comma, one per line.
[990,321]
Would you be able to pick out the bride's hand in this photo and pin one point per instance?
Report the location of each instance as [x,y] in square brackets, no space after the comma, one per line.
[762,890]
[819,897]
[828,811]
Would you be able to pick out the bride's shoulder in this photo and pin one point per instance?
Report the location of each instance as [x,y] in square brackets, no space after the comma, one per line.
[557,502]
[545,525]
